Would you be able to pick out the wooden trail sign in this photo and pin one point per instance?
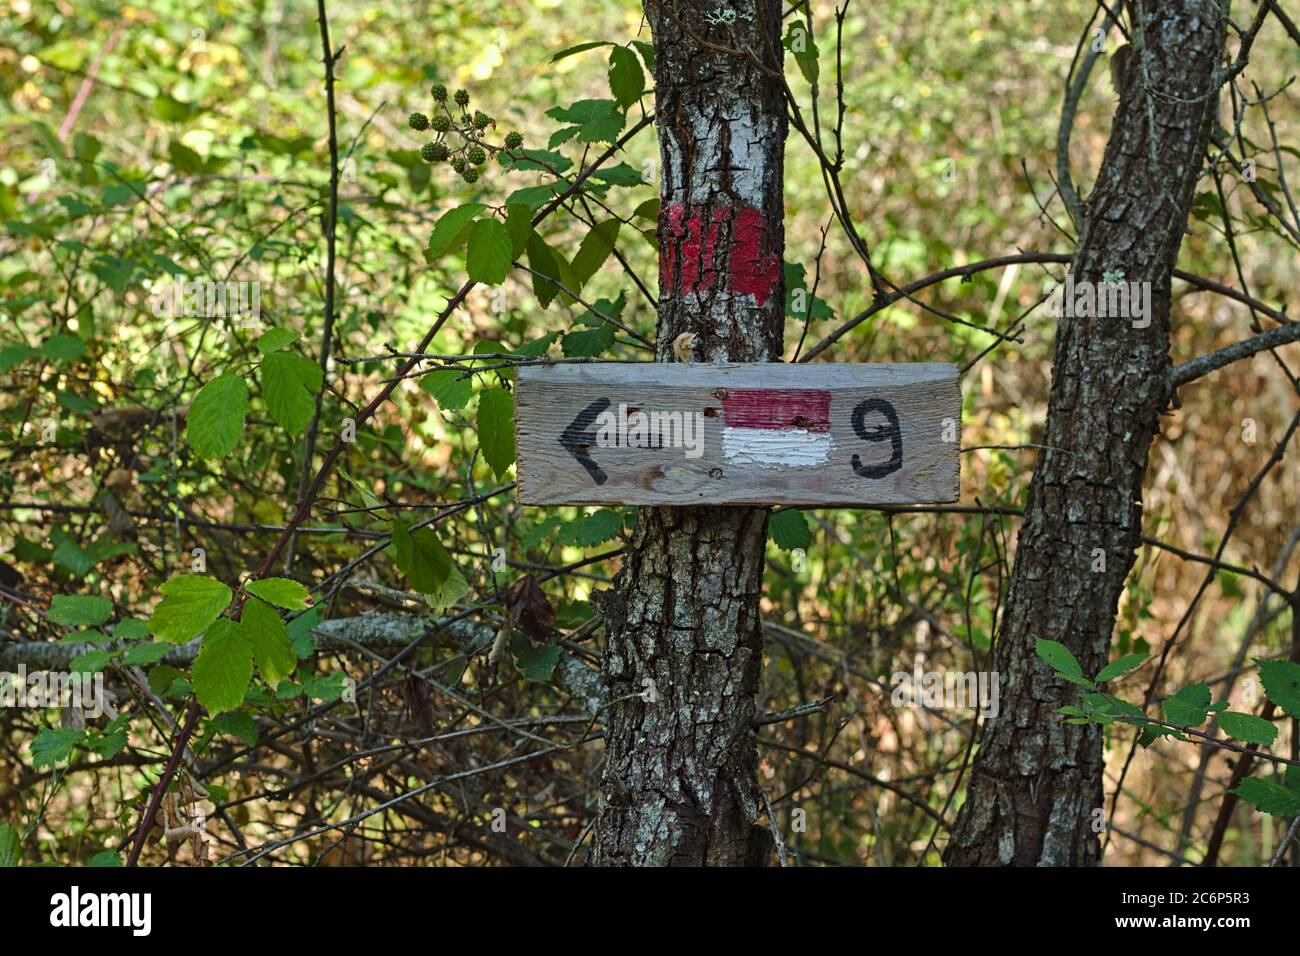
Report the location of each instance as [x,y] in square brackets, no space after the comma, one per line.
[652,433]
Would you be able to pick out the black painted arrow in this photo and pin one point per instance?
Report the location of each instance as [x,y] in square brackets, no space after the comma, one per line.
[578,438]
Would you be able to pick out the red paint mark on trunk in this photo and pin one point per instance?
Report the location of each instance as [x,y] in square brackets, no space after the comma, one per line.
[690,259]
[806,408]
[754,268]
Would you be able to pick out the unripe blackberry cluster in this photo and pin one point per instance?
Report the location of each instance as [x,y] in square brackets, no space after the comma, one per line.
[451,117]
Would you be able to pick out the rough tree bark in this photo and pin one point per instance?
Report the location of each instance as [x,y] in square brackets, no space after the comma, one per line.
[679,781]
[1036,782]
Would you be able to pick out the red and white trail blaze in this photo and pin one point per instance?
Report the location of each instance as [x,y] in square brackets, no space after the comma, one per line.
[788,428]
[691,237]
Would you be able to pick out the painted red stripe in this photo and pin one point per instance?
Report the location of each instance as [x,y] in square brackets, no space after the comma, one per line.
[690,256]
[806,408]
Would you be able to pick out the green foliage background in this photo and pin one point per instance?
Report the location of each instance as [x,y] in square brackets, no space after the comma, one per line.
[199,151]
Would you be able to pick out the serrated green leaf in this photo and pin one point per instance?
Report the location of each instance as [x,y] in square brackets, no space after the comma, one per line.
[449,388]
[10,846]
[282,592]
[596,247]
[273,340]
[1122,666]
[1061,660]
[593,529]
[300,632]
[489,254]
[80,610]
[594,121]
[579,48]
[626,79]
[328,688]
[236,723]
[519,226]
[543,260]
[1281,681]
[1247,728]
[131,629]
[53,745]
[1269,797]
[587,343]
[269,639]
[190,604]
[216,417]
[145,654]
[1189,707]
[420,556]
[451,226]
[535,663]
[287,381]
[789,529]
[452,590]
[91,662]
[496,429]
[224,667]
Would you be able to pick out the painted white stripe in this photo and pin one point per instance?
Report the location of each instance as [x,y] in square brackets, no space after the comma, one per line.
[780,447]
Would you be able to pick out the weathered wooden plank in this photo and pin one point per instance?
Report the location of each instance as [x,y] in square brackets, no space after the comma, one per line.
[737,434]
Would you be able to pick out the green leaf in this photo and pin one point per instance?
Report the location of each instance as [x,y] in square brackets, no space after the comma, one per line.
[289,385]
[63,348]
[449,387]
[595,249]
[450,227]
[91,662]
[273,340]
[1122,666]
[519,226]
[647,51]
[282,592]
[496,429]
[224,667]
[580,48]
[11,850]
[145,654]
[452,590]
[300,631]
[1062,661]
[543,260]
[541,160]
[236,723]
[420,556]
[799,41]
[327,688]
[53,745]
[620,175]
[1247,728]
[131,629]
[626,79]
[593,529]
[789,529]
[216,418]
[1189,707]
[80,610]
[588,343]
[488,257]
[269,639]
[189,606]
[1282,684]
[105,859]
[594,121]
[1269,797]
[535,663]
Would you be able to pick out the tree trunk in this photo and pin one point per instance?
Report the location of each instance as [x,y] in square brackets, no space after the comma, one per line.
[679,780]
[1035,781]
